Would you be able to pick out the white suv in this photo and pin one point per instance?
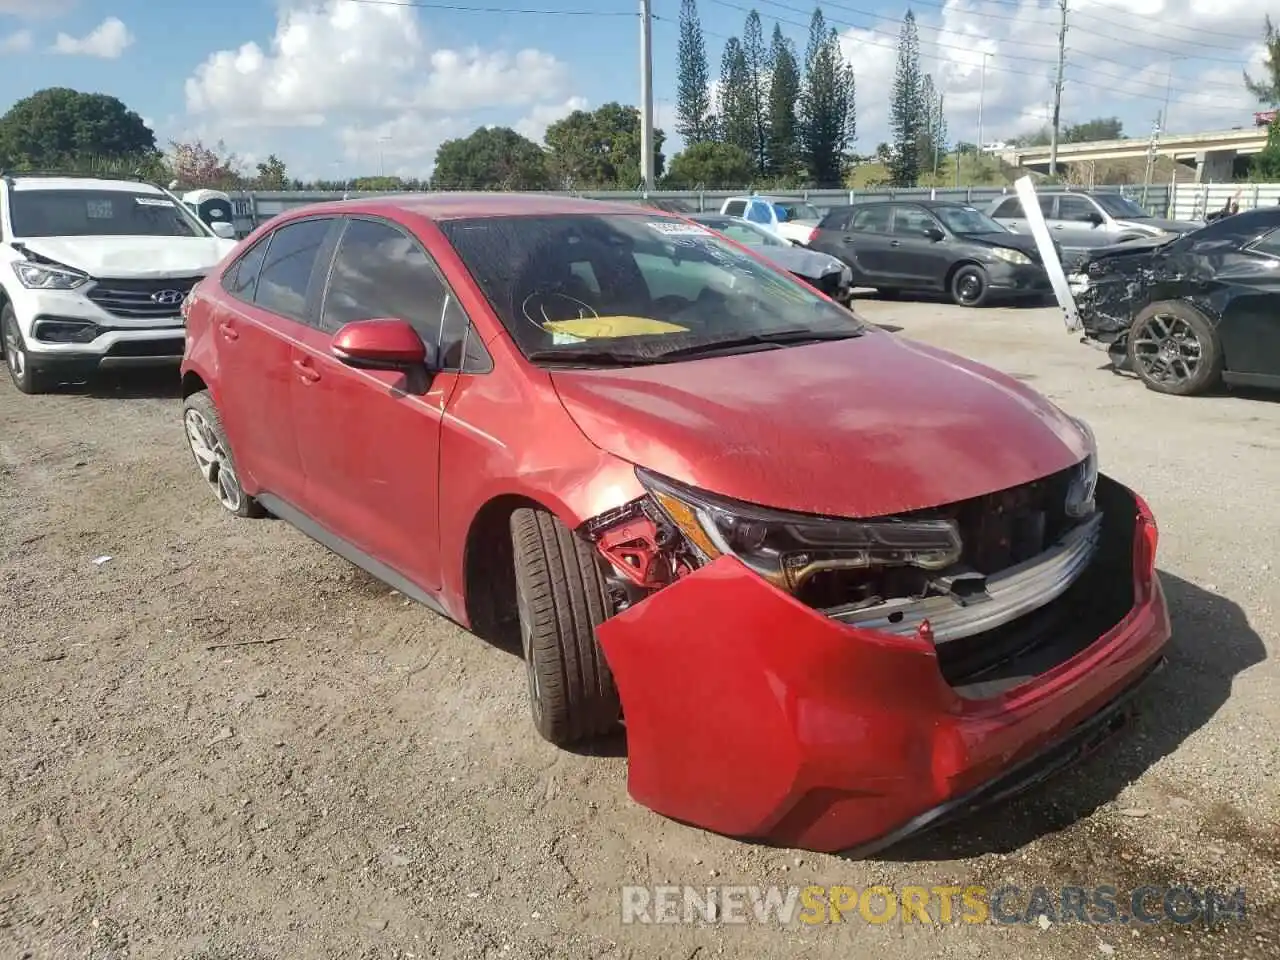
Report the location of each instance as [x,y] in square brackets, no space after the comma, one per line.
[93,273]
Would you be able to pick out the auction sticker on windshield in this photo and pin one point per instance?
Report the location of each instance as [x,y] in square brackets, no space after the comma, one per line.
[680,229]
[152,202]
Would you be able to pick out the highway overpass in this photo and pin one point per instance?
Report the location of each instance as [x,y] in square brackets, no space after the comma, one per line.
[1212,154]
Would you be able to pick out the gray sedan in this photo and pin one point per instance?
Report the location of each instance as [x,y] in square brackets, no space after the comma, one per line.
[824,272]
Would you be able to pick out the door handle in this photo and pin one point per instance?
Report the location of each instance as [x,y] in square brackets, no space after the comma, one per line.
[846,239]
[306,372]
[895,243]
[228,331]
[1057,226]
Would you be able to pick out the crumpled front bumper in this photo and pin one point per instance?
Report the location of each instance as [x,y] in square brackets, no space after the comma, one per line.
[753,715]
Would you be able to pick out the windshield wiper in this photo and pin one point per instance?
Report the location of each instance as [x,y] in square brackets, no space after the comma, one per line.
[779,338]
[602,358]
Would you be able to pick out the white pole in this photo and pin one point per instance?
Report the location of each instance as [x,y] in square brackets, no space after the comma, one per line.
[646,96]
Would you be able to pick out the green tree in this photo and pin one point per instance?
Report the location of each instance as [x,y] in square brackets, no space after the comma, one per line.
[272,174]
[600,148]
[827,116]
[711,166]
[57,127]
[491,158]
[1266,165]
[694,119]
[735,118]
[906,107]
[1267,89]
[784,94]
[1099,128]
[756,55]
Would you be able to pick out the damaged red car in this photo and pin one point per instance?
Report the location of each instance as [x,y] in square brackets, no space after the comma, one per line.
[835,586]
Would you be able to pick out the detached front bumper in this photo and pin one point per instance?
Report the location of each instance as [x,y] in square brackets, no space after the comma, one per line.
[753,715]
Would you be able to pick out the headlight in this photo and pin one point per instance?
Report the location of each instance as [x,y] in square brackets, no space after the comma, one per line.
[1010,256]
[788,548]
[1084,482]
[34,276]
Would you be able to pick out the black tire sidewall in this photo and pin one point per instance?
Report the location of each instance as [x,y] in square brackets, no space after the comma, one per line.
[978,272]
[1210,370]
[30,381]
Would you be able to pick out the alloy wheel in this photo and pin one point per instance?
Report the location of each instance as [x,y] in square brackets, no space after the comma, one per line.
[14,355]
[969,287]
[213,460]
[1167,350]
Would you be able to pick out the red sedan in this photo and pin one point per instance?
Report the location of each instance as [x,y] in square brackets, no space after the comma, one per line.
[840,585]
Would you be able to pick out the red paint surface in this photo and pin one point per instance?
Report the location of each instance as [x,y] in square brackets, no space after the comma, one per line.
[771,721]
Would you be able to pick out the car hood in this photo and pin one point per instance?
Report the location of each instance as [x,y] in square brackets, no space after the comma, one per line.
[134,257]
[864,427]
[1156,223]
[807,263]
[1015,241]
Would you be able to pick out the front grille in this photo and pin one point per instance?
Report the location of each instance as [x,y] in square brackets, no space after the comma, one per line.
[135,299]
[171,347]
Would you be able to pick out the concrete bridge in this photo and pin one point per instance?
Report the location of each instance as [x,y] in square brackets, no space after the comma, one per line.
[1213,155]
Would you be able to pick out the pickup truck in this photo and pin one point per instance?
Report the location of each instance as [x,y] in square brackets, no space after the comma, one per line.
[793,220]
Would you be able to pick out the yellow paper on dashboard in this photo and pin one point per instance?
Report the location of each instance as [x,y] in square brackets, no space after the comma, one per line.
[593,328]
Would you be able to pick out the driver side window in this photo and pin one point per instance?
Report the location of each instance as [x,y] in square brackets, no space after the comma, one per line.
[1075,209]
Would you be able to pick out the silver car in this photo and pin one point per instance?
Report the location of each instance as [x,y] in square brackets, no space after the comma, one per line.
[1086,220]
[833,277]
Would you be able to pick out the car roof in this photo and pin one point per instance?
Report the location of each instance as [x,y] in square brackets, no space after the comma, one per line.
[913,201]
[457,206]
[18,182]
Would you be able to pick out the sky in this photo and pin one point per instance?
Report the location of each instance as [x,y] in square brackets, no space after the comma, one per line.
[340,88]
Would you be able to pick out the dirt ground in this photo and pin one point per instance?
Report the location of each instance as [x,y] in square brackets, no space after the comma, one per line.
[225,743]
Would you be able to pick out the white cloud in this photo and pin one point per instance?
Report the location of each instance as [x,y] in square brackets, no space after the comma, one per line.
[534,124]
[1119,57]
[342,58]
[19,42]
[107,40]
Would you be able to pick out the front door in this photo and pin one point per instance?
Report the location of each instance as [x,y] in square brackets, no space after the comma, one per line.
[1075,225]
[369,440]
[919,259]
[254,328]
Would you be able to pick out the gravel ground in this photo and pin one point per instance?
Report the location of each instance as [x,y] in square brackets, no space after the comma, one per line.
[225,743]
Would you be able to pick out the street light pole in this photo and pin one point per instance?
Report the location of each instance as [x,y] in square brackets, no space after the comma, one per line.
[982,97]
[382,167]
[646,95]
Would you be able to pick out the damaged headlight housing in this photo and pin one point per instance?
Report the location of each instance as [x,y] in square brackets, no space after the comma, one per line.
[1084,480]
[1009,255]
[35,276]
[787,548]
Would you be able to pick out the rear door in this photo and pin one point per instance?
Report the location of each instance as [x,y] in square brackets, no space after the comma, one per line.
[369,440]
[255,325]
[1250,330]
[866,243]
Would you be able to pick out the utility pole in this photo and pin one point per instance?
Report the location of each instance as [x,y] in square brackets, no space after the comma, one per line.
[1168,91]
[1151,159]
[1057,91]
[646,95]
[982,97]
[935,123]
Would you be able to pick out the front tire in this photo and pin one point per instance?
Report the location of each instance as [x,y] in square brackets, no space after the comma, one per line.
[561,599]
[970,286]
[1174,349]
[212,453]
[16,359]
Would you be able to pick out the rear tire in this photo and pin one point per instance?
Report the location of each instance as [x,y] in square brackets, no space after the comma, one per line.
[1174,349]
[16,359]
[561,598]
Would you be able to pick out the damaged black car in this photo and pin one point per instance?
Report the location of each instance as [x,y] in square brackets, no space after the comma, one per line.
[1188,313]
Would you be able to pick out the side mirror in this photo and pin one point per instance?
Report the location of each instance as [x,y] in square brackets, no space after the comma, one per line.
[1095,218]
[934,234]
[223,229]
[380,345]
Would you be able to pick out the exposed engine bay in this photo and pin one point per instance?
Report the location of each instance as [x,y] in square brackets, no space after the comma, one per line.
[1111,284]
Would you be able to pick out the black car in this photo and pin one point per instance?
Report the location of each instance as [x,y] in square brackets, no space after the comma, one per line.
[1188,313]
[895,245]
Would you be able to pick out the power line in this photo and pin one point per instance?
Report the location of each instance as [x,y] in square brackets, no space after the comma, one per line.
[1239,38]
[460,8]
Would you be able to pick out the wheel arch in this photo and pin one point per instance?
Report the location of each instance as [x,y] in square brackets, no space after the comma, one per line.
[957,266]
[488,568]
[192,382]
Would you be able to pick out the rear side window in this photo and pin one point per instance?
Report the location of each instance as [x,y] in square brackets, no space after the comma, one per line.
[242,276]
[735,208]
[835,220]
[872,219]
[286,271]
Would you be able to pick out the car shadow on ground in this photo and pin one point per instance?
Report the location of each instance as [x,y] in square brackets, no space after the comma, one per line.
[144,384]
[1212,642]
[1222,391]
[927,296]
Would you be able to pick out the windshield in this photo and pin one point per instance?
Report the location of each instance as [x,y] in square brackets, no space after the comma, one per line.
[1121,207]
[745,233]
[796,211]
[967,220]
[98,213]
[626,288]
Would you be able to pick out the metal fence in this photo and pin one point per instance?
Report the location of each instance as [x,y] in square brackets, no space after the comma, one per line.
[252,208]
[1192,201]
